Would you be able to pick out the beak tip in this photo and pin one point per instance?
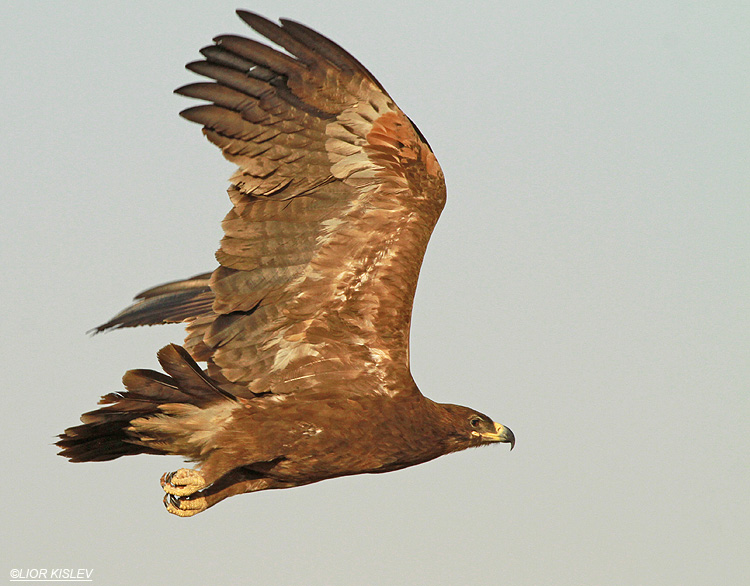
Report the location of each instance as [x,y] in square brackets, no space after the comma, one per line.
[505,435]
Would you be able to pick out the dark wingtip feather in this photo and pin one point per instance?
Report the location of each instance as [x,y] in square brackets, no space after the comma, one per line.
[194,114]
[173,302]
[196,66]
[258,23]
[251,18]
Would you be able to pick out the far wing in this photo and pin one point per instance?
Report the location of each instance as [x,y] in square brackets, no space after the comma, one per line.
[334,200]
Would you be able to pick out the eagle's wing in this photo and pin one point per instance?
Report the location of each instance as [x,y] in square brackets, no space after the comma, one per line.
[335,197]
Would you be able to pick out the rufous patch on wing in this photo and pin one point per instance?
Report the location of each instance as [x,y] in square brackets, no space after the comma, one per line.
[394,145]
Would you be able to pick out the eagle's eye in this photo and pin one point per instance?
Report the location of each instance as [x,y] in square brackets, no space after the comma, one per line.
[475,421]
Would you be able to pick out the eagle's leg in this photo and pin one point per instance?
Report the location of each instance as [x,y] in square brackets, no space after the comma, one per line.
[185,506]
[179,486]
[183,482]
[237,481]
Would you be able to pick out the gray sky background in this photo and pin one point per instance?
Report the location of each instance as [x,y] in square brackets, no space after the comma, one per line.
[587,285]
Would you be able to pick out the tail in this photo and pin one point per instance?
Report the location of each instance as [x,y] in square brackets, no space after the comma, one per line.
[173,302]
[157,414]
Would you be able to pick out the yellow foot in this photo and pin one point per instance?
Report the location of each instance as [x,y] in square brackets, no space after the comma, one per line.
[183,482]
[185,506]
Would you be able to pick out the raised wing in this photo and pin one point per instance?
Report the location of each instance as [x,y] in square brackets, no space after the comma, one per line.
[335,197]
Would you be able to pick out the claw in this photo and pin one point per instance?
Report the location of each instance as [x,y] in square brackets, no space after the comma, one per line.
[182,482]
[184,507]
[166,478]
[180,486]
[170,501]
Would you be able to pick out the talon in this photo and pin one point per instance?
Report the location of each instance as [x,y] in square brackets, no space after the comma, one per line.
[184,507]
[170,502]
[182,482]
[166,478]
[180,485]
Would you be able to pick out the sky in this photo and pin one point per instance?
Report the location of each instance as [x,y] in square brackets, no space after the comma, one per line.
[587,285]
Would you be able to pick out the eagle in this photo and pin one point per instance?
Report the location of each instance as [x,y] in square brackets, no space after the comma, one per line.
[304,325]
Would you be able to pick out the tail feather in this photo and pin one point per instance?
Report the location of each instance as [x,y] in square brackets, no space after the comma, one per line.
[155,415]
[100,442]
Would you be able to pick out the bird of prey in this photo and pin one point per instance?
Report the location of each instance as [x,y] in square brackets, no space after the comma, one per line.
[304,325]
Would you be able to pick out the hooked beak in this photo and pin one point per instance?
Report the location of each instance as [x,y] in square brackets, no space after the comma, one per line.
[501,434]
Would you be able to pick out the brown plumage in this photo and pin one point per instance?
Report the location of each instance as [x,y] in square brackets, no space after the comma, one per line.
[304,326]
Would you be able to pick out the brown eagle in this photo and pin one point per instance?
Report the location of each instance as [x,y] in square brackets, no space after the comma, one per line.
[304,326]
